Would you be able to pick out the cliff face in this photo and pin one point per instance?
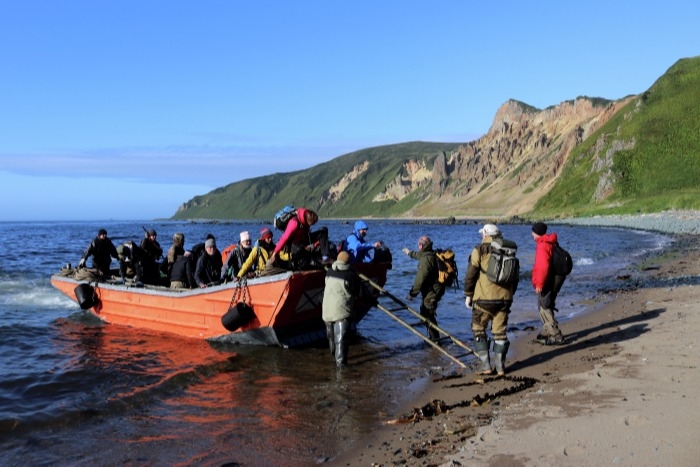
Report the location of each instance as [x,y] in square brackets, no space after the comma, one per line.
[506,171]
[503,173]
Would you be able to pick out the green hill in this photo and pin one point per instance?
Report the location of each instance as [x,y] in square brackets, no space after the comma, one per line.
[582,157]
[261,197]
[645,159]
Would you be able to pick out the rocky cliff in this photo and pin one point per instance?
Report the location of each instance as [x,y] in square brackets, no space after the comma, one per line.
[504,172]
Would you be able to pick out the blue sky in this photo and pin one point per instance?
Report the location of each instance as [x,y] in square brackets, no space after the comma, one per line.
[126,109]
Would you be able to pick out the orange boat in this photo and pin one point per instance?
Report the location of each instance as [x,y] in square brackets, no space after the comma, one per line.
[286,308]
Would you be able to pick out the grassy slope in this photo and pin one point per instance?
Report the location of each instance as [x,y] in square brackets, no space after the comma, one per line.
[661,171]
[261,197]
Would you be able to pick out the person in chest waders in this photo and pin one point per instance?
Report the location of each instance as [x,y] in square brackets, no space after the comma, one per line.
[426,282]
[343,287]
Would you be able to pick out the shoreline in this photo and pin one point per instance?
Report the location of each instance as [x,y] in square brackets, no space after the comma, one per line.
[619,391]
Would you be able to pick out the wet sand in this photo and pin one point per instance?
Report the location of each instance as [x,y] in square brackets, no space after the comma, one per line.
[623,389]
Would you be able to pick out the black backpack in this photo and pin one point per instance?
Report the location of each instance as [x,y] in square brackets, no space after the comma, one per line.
[562,264]
[196,252]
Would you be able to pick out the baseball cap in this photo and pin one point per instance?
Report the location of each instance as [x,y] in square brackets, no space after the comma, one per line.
[490,230]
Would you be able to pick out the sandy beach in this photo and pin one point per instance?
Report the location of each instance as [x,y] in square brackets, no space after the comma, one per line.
[622,390]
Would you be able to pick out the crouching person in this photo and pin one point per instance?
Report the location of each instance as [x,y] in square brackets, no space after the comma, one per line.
[343,287]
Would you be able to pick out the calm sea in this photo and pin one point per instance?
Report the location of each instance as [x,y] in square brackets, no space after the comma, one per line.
[77,392]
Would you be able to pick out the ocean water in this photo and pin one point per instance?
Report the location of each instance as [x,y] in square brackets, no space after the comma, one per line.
[75,391]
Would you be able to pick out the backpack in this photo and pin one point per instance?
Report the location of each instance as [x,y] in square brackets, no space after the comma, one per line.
[282,217]
[227,252]
[447,267]
[196,252]
[562,264]
[503,268]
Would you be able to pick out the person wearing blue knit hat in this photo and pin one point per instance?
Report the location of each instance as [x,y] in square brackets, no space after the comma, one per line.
[355,244]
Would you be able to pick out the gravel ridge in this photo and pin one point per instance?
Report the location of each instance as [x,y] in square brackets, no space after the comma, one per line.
[670,222]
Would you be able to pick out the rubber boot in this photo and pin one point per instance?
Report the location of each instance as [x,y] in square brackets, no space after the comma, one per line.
[500,349]
[340,331]
[433,334]
[331,338]
[482,344]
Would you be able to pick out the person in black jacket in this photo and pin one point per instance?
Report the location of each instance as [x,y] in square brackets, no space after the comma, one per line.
[208,270]
[102,251]
[152,255]
[130,258]
[237,258]
[181,276]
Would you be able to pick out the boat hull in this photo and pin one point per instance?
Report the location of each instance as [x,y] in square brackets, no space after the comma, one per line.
[286,307]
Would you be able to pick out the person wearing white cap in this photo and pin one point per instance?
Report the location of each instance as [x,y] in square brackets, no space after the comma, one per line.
[237,257]
[490,303]
[259,255]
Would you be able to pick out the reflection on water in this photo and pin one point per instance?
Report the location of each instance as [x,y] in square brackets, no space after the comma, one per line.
[127,389]
[76,392]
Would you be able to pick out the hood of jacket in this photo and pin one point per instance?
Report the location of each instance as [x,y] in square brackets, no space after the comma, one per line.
[301,217]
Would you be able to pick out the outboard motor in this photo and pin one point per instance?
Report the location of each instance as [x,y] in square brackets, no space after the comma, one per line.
[86,296]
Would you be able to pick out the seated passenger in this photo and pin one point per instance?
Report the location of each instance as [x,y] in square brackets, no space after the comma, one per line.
[176,249]
[208,270]
[259,255]
[130,258]
[236,258]
[181,275]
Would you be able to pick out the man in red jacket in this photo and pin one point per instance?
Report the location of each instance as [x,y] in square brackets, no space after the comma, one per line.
[546,284]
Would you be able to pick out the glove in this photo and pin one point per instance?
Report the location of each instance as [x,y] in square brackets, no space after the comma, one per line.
[468,302]
[408,298]
[81,264]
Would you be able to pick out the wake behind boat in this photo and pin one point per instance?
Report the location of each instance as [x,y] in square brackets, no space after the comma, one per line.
[282,309]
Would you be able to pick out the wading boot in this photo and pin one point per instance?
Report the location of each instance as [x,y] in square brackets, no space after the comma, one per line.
[433,334]
[482,344]
[331,338]
[340,331]
[500,349]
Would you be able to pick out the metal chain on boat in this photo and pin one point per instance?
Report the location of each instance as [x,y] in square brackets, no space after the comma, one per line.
[241,293]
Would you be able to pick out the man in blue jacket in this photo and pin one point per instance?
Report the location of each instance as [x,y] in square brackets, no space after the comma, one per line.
[357,247]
